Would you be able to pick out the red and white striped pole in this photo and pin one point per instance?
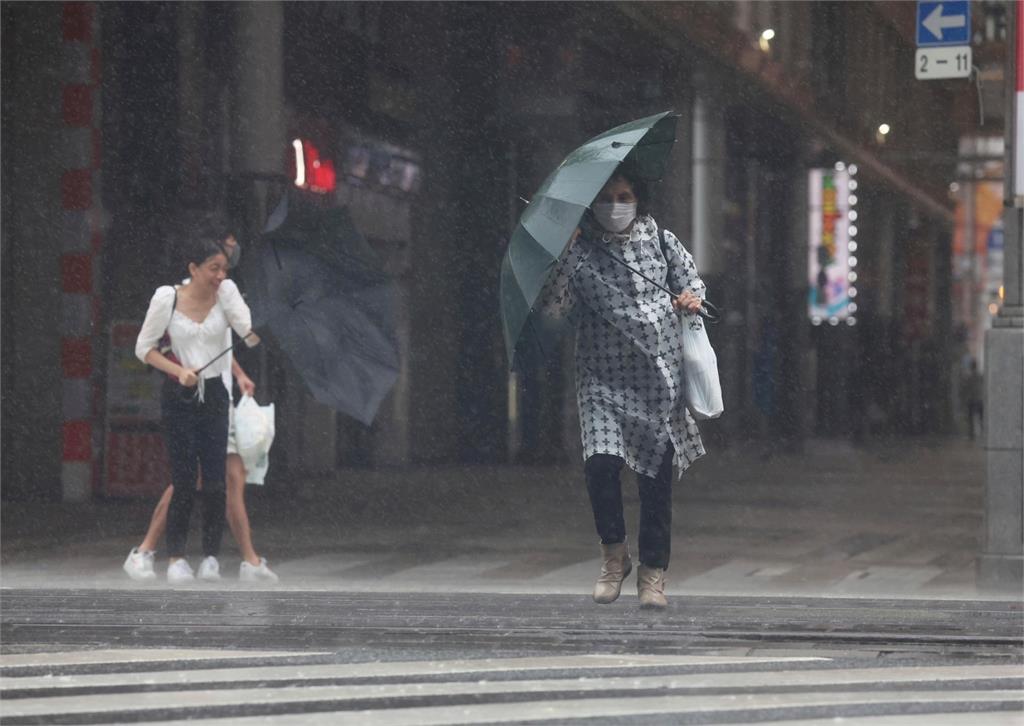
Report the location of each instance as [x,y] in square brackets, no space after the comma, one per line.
[81,242]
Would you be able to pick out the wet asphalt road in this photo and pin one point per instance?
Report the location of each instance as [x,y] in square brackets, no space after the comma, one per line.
[326,657]
[486,622]
[815,589]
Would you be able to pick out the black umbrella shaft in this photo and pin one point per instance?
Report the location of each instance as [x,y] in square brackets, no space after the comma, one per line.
[707,310]
[633,269]
[222,354]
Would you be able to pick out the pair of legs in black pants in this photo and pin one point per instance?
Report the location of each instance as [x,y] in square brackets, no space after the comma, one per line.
[605,489]
[197,435]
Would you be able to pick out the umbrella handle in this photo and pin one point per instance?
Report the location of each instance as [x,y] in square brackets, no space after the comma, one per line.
[709,311]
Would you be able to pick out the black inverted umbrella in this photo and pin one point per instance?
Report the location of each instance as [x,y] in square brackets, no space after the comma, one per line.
[323,293]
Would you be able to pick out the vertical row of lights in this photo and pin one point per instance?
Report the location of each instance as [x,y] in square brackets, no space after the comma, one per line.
[851,231]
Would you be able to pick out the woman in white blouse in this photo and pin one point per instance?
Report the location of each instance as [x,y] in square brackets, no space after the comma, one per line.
[194,402]
[253,568]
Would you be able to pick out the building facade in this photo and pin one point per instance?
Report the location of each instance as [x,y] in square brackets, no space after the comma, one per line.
[440,119]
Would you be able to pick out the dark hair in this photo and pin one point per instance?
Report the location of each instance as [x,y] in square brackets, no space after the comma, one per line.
[203,238]
[641,190]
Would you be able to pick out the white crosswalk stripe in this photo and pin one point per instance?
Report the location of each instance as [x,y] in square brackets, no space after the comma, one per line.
[249,687]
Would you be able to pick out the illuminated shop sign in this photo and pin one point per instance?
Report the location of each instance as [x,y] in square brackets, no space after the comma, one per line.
[832,244]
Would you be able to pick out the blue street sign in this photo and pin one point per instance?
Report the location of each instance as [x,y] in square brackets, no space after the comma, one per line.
[943,23]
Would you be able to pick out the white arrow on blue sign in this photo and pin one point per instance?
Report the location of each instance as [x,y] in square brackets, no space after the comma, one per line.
[943,23]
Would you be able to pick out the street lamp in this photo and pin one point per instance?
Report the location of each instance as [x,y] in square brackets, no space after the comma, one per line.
[765,39]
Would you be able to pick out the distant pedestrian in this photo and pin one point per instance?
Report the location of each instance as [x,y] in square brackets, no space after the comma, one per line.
[194,406]
[974,399]
[629,376]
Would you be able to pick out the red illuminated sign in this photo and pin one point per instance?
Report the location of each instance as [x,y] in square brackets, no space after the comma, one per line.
[312,172]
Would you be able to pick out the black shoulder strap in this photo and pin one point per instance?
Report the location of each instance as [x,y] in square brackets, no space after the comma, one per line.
[174,304]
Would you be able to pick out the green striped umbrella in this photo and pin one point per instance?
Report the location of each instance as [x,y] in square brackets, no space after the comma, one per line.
[551,217]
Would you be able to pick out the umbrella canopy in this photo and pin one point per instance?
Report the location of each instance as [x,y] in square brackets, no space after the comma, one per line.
[323,293]
[551,217]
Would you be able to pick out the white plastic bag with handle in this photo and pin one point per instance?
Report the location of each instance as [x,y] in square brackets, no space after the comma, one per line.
[254,434]
[700,368]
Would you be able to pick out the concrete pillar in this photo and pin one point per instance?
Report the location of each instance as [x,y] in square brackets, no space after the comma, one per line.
[258,134]
[707,155]
[433,354]
[459,379]
[479,214]
[673,195]
[1002,560]
[258,141]
[1001,564]
[257,145]
[797,361]
[700,151]
[945,370]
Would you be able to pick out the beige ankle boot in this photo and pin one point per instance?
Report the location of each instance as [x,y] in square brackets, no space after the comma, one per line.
[613,571]
[650,587]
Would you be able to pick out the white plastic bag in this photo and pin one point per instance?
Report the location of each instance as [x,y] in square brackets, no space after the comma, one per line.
[254,434]
[700,368]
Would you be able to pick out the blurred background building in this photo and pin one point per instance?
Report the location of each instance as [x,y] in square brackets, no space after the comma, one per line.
[801,126]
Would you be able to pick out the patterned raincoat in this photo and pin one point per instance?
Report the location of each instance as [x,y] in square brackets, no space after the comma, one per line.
[629,373]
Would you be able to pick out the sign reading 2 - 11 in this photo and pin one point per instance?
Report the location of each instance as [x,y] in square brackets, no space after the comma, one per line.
[945,62]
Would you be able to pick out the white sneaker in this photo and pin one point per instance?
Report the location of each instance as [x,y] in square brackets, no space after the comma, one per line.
[179,572]
[139,564]
[209,569]
[256,573]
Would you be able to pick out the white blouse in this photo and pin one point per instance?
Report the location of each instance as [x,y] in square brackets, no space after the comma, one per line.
[196,344]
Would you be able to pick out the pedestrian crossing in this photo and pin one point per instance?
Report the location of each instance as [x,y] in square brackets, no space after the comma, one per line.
[279,687]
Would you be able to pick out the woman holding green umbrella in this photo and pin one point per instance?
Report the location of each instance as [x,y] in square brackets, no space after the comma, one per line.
[629,376]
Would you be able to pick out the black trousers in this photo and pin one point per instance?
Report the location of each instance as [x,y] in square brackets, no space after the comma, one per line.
[605,489]
[196,433]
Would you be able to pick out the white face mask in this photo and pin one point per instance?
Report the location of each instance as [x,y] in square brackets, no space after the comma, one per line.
[613,216]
